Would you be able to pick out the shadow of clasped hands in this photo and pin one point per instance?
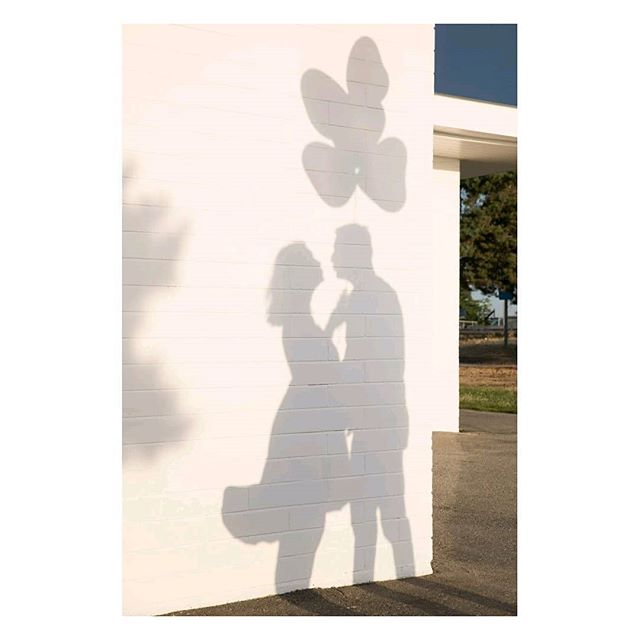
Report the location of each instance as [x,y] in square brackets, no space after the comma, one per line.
[310,469]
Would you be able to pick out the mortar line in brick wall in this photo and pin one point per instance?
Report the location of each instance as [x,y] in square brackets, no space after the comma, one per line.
[214,261]
[375,314]
[219,33]
[208,133]
[218,511]
[204,209]
[207,413]
[260,510]
[307,385]
[252,436]
[278,359]
[284,484]
[260,114]
[178,415]
[257,535]
[280,142]
[386,336]
[207,107]
[296,362]
[253,264]
[216,541]
[212,413]
[217,516]
[218,361]
[289,458]
[265,387]
[233,337]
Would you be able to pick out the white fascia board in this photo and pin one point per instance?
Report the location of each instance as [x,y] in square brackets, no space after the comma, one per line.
[484,118]
[481,135]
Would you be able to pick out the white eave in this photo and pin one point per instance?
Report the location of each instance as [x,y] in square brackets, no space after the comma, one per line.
[482,135]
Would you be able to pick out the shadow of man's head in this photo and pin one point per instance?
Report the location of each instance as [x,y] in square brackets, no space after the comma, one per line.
[352,246]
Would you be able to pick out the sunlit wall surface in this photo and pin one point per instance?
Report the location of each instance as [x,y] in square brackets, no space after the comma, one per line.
[290,309]
[477,61]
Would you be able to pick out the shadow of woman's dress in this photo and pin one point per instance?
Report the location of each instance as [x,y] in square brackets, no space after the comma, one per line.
[297,468]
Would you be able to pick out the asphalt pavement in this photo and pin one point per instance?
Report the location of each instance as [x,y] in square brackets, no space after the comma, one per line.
[474,539]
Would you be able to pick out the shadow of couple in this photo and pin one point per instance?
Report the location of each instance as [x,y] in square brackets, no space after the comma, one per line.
[310,469]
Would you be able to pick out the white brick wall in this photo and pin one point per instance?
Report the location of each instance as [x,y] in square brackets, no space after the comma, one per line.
[245,437]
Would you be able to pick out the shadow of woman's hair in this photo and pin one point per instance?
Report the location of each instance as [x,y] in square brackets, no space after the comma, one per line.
[290,257]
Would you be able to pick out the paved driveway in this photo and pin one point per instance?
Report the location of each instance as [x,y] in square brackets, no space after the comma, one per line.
[474,508]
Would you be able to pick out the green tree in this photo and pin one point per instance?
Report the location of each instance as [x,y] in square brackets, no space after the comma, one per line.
[470,309]
[488,233]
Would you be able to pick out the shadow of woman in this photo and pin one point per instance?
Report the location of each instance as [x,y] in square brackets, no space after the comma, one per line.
[295,475]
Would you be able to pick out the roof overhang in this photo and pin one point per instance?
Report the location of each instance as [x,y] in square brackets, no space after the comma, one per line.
[482,135]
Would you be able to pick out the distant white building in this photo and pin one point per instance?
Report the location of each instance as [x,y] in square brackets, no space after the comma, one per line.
[290,303]
[496,304]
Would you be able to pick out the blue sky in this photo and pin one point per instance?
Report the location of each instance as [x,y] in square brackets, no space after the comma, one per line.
[477,61]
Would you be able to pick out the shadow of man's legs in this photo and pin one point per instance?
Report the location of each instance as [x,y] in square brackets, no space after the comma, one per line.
[397,530]
[365,532]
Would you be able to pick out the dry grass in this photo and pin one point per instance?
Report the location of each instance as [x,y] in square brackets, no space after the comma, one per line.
[488,375]
[488,351]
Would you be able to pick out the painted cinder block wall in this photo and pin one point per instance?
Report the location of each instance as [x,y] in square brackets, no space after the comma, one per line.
[290,309]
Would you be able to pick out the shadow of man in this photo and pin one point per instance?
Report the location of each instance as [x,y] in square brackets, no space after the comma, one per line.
[375,336]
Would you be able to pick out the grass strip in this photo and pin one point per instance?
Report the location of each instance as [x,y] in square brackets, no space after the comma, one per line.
[488,399]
